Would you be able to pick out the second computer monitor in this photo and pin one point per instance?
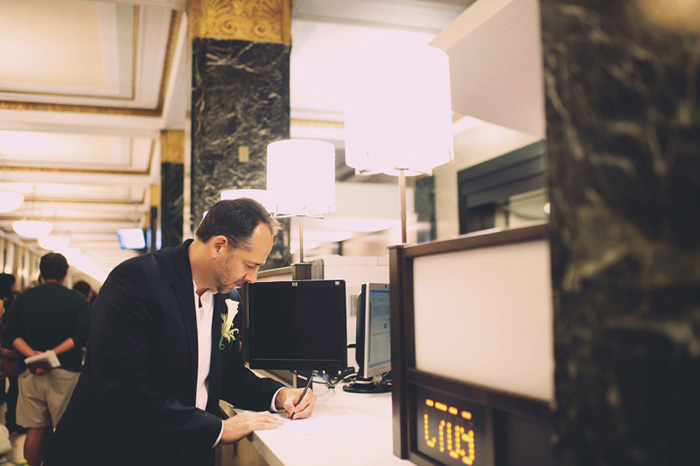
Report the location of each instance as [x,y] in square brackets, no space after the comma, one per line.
[375,336]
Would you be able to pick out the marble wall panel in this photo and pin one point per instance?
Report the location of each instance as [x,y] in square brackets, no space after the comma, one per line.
[171,203]
[623,134]
[240,102]
[425,208]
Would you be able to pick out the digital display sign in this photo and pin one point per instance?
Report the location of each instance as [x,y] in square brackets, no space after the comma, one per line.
[451,431]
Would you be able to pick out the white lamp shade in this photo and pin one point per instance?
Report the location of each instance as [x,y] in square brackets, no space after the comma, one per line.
[32,228]
[260,195]
[399,115]
[10,201]
[301,176]
[53,242]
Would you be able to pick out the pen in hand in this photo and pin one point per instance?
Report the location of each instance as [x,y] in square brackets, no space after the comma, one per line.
[308,383]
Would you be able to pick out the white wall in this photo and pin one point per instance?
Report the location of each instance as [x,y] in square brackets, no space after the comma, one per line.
[494,328]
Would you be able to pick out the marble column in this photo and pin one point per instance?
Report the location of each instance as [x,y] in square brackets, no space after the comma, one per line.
[240,100]
[622,83]
[152,243]
[172,173]
[425,208]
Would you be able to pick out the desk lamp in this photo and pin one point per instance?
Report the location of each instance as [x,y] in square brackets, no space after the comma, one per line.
[301,180]
[398,119]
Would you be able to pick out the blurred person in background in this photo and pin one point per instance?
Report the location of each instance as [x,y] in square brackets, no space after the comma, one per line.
[48,317]
[11,361]
[8,289]
[84,289]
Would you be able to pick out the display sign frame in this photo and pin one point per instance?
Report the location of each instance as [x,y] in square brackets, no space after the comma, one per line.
[500,407]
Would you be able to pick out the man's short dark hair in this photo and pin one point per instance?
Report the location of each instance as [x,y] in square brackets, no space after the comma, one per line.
[236,219]
[53,266]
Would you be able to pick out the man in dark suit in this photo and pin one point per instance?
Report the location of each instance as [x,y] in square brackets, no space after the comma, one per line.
[159,358]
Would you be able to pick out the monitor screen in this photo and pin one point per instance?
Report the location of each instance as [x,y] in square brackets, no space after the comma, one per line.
[296,325]
[377,341]
[131,238]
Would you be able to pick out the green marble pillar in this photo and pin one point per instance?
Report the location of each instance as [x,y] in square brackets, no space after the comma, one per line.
[240,100]
[172,172]
[622,82]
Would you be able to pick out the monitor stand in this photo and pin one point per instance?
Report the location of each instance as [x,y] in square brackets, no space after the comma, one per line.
[363,385]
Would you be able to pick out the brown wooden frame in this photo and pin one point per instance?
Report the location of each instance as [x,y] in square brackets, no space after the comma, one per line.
[405,376]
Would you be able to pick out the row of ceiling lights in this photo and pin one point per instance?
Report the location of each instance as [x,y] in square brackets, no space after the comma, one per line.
[385,132]
[41,230]
[10,201]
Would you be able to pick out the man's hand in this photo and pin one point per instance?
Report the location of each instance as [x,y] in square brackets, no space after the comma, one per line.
[28,351]
[38,370]
[240,425]
[288,399]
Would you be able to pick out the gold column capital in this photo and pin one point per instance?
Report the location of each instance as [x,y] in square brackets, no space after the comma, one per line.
[251,20]
[172,146]
[155,195]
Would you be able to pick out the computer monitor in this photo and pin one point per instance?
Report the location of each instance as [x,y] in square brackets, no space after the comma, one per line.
[295,325]
[131,238]
[373,340]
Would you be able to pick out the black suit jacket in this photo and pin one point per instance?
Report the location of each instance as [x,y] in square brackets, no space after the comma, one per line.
[134,402]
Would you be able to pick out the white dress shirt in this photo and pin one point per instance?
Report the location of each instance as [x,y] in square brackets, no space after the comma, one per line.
[205,309]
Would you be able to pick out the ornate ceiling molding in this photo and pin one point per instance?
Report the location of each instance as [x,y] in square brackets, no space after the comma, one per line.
[85,171]
[251,20]
[175,21]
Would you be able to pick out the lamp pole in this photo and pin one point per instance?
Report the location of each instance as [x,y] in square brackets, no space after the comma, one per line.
[402,200]
[301,239]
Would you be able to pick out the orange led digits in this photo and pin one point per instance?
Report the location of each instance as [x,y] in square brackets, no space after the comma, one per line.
[457,451]
[452,438]
[428,441]
[441,435]
[469,438]
[449,436]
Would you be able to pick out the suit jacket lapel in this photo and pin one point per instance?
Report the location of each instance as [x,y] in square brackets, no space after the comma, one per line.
[183,290]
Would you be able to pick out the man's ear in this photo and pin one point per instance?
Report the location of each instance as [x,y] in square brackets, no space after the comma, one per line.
[218,245]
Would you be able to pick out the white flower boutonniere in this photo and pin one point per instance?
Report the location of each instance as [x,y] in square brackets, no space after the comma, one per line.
[228,333]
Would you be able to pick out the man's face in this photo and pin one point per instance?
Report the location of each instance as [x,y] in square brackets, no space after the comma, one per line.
[234,266]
